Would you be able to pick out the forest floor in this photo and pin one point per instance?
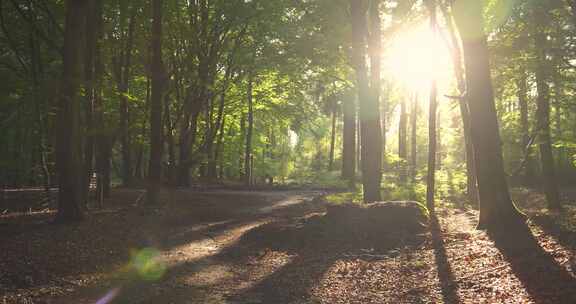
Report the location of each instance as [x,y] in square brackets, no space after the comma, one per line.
[243,247]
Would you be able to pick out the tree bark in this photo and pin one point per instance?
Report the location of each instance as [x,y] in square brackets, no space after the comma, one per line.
[155,164]
[414,138]
[496,206]
[103,140]
[543,108]
[471,186]
[90,89]
[528,176]
[123,86]
[248,150]
[332,136]
[68,150]
[375,49]
[349,139]
[402,142]
[371,136]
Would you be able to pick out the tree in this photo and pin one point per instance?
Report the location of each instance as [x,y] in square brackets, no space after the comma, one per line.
[456,53]
[368,106]
[496,206]
[403,141]
[543,107]
[432,112]
[349,138]
[248,157]
[158,82]
[414,138]
[68,145]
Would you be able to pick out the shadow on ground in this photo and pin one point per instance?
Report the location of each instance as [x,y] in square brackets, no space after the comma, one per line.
[542,277]
[446,276]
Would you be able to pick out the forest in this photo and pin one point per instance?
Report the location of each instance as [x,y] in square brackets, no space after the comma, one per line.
[287,151]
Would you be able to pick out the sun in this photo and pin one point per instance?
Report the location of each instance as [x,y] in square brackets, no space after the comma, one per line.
[416,57]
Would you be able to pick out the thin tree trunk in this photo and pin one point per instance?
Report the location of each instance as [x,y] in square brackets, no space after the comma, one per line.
[496,206]
[248,151]
[414,138]
[528,176]
[375,50]
[471,186]
[103,140]
[371,135]
[349,139]
[155,165]
[37,72]
[89,73]
[543,109]
[124,83]
[219,153]
[432,142]
[68,148]
[332,137]
[402,142]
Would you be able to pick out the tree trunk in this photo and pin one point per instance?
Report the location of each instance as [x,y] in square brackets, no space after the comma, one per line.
[414,138]
[218,152]
[332,137]
[68,150]
[103,140]
[371,135]
[155,165]
[471,187]
[349,139]
[432,142]
[528,176]
[89,78]
[248,151]
[496,206]
[37,76]
[375,49]
[123,85]
[402,142]
[543,109]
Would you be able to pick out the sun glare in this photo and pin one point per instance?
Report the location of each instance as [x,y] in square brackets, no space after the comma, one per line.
[416,57]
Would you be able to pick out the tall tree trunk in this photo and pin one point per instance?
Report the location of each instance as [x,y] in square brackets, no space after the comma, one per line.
[402,142]
[471,186]
[89,73]
[496,206]
[414,138]
[68,150]
[375,50]
[158,78]
[349,139]
[37,75]
[332,136]
[543,108]
[248,151]
[371,135]
[432,142]
[123,86]
[103,140]
[218,152]
[528,176]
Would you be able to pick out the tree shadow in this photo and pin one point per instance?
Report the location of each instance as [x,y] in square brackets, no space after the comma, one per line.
[561,227]
[448,282]
[542,277]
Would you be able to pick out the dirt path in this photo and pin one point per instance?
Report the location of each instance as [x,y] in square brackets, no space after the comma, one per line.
[156,253]
[240,247]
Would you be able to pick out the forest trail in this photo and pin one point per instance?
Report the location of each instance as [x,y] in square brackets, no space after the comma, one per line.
[241,247]
[179,238]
